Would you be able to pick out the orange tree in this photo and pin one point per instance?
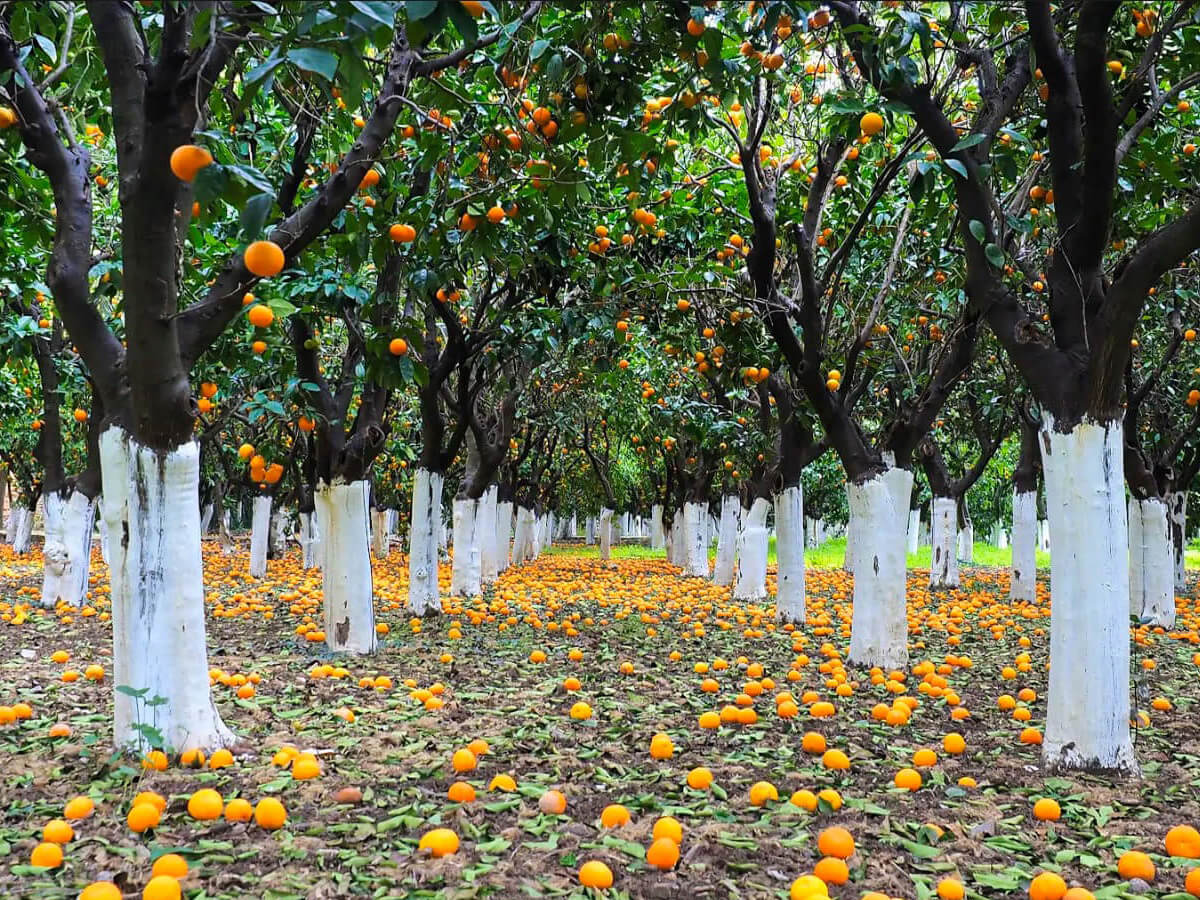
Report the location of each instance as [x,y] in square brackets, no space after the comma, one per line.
[162,79]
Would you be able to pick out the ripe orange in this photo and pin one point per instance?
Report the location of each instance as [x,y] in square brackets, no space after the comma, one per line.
[57,831]
[909,779]
[595,874]
[398,347]
[553,803]
[162,887]
[187,160]
[813,742]
[461,792]
[807,887]
[614,815]
[1047,810]
[439,842]
[158,801]
[402,233]
[142,816]
[171,864]
[305,766]
[1182,840]
[463,760]
[663,854]
[954,743]
[239,810]
[836,842]
[270,814]
[260,315]
[1135,864]
[46,854]
[205,805]
[836,760]
[700,778]
[264,259]
[762,792]
[669,827]
[581,711]
[951,889]
[101,890]
[496,215]
[832,870]
[1047,886]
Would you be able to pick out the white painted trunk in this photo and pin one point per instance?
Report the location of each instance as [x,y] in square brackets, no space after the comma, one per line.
[966,543]
[466,577]
[879,628]
[1044,535]
[678,541]
[943,565]
[850,560]
[1023,581]
[1087,712]
[751,581]
[1002,539]
[426,521]
[504,524]
[727,530]
[589,529]
[695,530]
[489,553]
[152,508]
[309,540]
[658,538]
[1177,517]
[548,531]
[522,548]
[379,536]
[346,573]
[789,550]
[22,529]
[67,553]
[914,530]
[104,536]
[277,536]
[606,516]
[206,515]
[260,526]
[1151,567]
[614,531]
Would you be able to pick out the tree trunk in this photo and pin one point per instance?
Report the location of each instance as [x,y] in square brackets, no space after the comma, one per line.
[486,523]
[67,553]
[879,628]
[466,571]
[1177,517]
[849,561]
[22,529]
[943,565]
[152,508]
[589,531]
[789,551]
[678,543]
[966,542]
[914,530]
[606,516]
[346,569]
[380,545]
[751,581]
[1044,535]
[260,536]
[1087,713]
[206,515]
[423,596]
[1151,569]
[727,531]
[695,529]
[504,524]
[522,548]
[1023,581]
[310,540]
[277,536]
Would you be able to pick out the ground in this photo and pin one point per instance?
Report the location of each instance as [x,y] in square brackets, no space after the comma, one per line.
[634,614]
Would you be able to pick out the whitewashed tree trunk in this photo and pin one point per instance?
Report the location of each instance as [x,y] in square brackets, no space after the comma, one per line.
[606,533]
[695,530]
[504,524]
[1177,518]
[423,593]
[1023,581]
[751,581]
[346,573]
[914,530]
[22,529]
[789,551]
[966,543]
[1044,535]
[1087,713]
[573,528]
[548,531]
[943,565]
[466,577]
[206,515]
[614,532]
[10,524]
[589,531]
[444,538]
[54,551]
[379,536]
[522,549]
[260,527]
[489,553]
[1002,539]
[309,541]
[850,560]
[1151,566]
[727,531]
[104,536]
[879,628]
[658,539]
[151,500]
[67,558]
[678,540]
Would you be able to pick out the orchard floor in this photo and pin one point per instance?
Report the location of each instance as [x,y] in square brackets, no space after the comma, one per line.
[634,614]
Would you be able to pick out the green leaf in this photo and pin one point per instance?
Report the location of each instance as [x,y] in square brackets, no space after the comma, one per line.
[319,62]
[977,230]
[969,141]
[995,255]
[379,10]
[538,47]
[956,166]
[254,215]
[420,9]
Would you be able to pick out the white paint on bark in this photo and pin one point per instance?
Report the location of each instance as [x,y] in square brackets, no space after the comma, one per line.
[522,549]
[751,581]
[152,507]
[309,541]
[1087,712]
[379,535]
[260,526]
[504,524]
[695,530]
[1023,579]
[789,549]
[1177,518]
[914,530]
[943,565]
[1151,567]
[22,529]
[67,555]
[606,534]
[489,554]
[966,543]
[466,576]
[727,530]
[346,573]
[879,628]
[424,526]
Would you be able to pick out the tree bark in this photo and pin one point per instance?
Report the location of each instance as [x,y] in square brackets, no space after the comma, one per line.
[789,550]
[349,590]
[879,627]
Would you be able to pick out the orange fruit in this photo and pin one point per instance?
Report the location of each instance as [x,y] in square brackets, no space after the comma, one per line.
[1047,810]
[836,760]
[439,842]
[156,800]
[187,160]
[171,864]
[1182,840]
[305,766]
[264,259]
[205,805]
[57,831]
[1135,864]
[238,810]
[832,870]
[1047,886]
[871,124]
[954,743]
[614,815]
[924,758]
[398,347]
[402,233]
[836,842]
[595,874]
[46,854]
[463,760]
[270,814]
[461,792]
[700,778]
[806,887]
[142,817]
[553,803]
[762,792]
[909,779]
[260,315]
[813,742]
[162,887]
[950,889]
[663,853]
[101,890]
[669,827]
[1192,883]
